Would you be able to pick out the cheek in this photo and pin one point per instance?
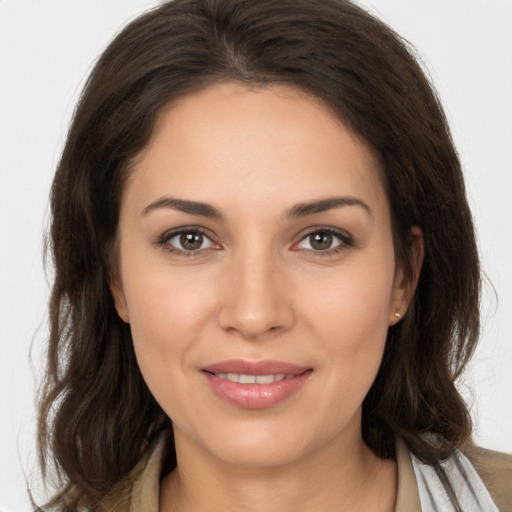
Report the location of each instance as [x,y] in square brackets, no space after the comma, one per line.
[354,303]
[350,317]
[167,317]
[167,313]
[166,309]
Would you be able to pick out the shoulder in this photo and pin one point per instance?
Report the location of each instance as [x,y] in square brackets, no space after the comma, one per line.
[140,491]
[495,470]
[476,476]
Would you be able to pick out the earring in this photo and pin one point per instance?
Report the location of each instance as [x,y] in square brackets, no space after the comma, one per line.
[397,314]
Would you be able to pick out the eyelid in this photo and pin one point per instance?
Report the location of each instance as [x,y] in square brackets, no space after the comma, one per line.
[345,238]
[164,238]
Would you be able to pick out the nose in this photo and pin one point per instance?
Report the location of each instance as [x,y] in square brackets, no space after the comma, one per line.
[256,303]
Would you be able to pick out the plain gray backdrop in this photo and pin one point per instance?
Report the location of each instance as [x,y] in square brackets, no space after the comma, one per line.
[46,50]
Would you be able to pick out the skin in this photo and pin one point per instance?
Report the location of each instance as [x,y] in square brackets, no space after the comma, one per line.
[259,289]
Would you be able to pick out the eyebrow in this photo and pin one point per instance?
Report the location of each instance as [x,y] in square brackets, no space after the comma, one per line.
[322,205]
[182,205]
[297,211]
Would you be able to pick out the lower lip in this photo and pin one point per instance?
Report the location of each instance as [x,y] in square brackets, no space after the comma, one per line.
[256,396]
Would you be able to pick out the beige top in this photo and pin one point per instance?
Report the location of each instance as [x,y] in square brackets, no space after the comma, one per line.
[494,468]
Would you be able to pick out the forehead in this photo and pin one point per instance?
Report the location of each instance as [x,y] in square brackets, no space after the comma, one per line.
[261,144]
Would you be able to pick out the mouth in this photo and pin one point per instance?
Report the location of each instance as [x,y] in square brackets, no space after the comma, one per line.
[253,379]
[255,385]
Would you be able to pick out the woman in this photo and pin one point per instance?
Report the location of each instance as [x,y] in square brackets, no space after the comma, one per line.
[266,274]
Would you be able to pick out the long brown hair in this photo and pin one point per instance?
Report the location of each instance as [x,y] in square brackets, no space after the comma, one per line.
[97,418]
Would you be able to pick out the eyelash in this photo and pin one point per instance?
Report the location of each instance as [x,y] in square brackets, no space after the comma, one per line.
[346,241]
[164,239]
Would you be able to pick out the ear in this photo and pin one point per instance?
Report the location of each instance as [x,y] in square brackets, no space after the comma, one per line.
[116,289]
[405,286]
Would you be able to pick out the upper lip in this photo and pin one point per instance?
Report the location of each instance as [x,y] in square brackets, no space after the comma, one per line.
[263,367]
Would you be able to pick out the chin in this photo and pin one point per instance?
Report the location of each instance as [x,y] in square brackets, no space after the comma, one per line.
[264,444]
[262,454]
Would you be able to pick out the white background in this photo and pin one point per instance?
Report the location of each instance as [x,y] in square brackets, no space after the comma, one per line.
[47,48]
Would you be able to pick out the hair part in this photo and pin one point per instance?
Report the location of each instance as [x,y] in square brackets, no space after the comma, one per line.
[94,401]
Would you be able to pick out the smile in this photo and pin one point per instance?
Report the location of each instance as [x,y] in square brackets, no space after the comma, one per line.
[255,385]
[253,379]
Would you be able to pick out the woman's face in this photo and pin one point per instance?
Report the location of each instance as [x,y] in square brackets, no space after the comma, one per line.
[257,273]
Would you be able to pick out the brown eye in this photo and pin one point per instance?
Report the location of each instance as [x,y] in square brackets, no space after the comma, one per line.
[191,241]
[321,241]
[325,241]
[186,242]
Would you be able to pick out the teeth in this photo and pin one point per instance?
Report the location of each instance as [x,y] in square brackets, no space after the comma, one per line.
[247,379]
[264,379]
[253,379]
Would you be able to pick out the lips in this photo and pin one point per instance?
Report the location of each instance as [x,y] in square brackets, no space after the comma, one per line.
[255,385]
[253,379]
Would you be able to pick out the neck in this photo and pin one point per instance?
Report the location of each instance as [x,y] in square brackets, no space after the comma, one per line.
[340,477]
